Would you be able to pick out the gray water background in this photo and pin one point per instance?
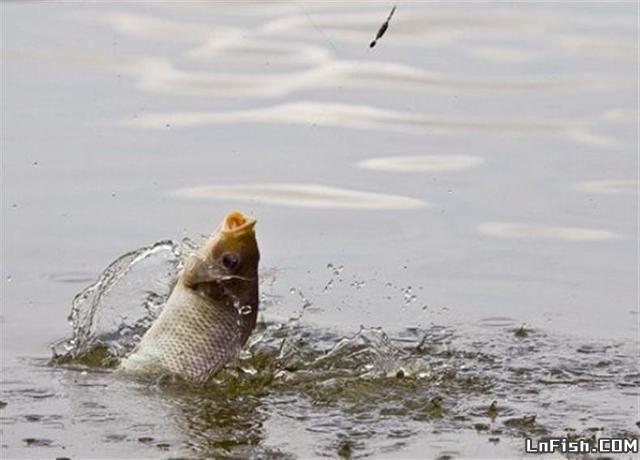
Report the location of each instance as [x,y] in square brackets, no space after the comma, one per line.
[97,153]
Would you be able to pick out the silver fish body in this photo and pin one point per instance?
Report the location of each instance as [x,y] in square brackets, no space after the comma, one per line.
[211,311]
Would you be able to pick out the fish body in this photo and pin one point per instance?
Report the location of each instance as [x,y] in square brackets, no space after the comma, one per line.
[211,311]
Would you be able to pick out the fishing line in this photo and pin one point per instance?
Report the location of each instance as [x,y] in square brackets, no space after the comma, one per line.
[319,29]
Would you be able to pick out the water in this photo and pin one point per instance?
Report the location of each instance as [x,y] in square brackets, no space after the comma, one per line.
[474,172]
[369,392]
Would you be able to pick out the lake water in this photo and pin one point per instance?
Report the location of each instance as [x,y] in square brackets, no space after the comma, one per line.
[417,204]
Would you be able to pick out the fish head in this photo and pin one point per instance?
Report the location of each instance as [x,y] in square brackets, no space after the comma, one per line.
[225,269]
[211,310]
[233,248]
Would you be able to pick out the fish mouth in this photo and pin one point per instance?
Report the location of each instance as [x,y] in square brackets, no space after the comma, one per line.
[236,221]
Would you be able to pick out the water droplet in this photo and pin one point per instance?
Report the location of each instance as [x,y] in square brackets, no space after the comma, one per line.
[336,270]
[292,290]
[9,279]
[358,284]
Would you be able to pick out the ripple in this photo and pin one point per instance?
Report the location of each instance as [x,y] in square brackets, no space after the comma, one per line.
[623,115]
[161,75]
[152,28]
[301,195]
[72,277]
[426,28]
[505,54]
[266,50]
[598,45]
[368,118]
[208,41]
[424,163]
[433,28]
[609,187]
[543,232]
[498,322]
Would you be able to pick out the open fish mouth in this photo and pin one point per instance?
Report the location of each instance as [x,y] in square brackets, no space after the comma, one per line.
[236,221]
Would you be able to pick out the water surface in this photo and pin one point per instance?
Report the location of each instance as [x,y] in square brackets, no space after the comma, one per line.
[474,172]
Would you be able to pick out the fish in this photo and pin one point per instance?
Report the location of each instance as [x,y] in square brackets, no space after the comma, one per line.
[383,28]
[210,312]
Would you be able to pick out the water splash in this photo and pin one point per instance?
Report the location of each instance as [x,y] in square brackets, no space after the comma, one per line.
[111,314]
[335,276]
[495,381]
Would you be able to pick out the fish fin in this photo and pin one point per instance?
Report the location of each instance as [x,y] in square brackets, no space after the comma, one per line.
[140,362]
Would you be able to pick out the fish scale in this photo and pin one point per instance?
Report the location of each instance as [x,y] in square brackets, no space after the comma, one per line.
[202,327]
[191,338]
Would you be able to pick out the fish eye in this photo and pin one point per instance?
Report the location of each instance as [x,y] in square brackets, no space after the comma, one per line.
[230,260]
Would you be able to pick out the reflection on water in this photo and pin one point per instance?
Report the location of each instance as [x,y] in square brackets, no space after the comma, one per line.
[368,118]
[162,76]
[435,27]
[505,54]
[147,27]
[209,42]
[544,232]
[301,195]
[601,46]
[274,50]
[525,96]
[609,187]
[624,115]
[425,163]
